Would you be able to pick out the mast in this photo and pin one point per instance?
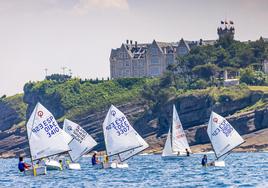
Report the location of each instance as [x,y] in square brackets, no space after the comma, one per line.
[29,139]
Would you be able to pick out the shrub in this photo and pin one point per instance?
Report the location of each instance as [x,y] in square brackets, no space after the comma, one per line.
[251,77]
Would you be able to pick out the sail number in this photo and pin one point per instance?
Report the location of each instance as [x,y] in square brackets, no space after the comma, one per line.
[49,125]
[225,127]
[79,134]
[120,125]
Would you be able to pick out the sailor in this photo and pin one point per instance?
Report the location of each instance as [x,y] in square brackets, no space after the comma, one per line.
[106,159]
[204,160]
[61,164]
[187,152]
[94,159]
[22,165]
[41,162]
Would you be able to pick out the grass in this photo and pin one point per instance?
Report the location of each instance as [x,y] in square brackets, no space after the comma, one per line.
[264,89]
[258,105]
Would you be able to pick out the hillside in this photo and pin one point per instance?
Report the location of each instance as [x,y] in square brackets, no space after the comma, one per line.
[146,102]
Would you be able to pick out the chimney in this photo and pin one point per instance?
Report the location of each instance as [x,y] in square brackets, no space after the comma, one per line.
[136,44]
[225,75]
[127,41]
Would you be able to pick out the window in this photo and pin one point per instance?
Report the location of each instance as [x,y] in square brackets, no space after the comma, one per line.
[154,60]
[182,50]
[170,59]
[127,63]
[127,73]
[155,71]
[154,51]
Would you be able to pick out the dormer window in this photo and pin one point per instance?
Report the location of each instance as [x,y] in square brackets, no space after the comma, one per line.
[154,51]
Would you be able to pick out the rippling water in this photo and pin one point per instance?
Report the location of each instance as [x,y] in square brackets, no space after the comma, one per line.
[242,169]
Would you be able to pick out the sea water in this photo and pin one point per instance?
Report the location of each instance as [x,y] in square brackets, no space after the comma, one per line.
[241,170]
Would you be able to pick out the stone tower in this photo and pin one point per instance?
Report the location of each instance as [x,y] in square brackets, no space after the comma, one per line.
[226,31]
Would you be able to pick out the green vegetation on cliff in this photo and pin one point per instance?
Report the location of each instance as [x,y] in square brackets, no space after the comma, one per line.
[16,102]
[204,65]
[75,96]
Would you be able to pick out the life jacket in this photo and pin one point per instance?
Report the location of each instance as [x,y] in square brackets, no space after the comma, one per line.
[21,166]
[204,162]
[93,160]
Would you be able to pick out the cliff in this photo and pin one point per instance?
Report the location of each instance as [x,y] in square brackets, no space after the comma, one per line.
[245,109]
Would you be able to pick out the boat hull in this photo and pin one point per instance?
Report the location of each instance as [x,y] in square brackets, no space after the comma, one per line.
[74,166]
[218,163]
[119,165]
[53,165]
[114,165]
[37,171]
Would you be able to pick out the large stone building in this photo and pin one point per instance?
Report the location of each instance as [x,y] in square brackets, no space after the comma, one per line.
[146,60]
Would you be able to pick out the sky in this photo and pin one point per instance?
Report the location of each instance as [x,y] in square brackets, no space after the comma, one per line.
[79,34]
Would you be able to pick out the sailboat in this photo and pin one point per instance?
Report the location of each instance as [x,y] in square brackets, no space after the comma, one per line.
[80,145]
[46,138]
[121,140]
[224,138]
[176,143]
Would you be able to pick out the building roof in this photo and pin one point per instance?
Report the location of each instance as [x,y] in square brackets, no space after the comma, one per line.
[139,50]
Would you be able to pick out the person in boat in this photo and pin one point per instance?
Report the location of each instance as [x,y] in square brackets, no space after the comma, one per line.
[187,152]
[204,160]
[61,164]
[106,159]
[41,162]
[22,165]
[94,159]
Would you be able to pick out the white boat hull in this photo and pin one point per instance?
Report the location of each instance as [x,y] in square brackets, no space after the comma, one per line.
[119,165]
[41,170]
[114,165]
[218,163]
[74,166]
[53,165]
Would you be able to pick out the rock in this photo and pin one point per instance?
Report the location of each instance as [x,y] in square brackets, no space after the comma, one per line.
[8,116]
[152,123]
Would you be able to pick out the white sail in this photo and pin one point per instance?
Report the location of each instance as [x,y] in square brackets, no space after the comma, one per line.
[126,155]
[82,142]
[167,151]
[45,136]
[222,135]
[179,141]
[119,135]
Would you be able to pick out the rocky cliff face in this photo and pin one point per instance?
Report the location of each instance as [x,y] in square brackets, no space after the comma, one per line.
[151,122]
[8,116]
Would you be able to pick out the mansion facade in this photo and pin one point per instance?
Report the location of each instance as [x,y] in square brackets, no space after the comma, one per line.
[149,59]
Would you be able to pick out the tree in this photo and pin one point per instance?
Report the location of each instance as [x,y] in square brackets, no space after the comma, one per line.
[58,77]
[206,71]
[251,77]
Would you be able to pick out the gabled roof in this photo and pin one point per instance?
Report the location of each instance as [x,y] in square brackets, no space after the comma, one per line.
[182,43]
[157,44]
[125,48]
